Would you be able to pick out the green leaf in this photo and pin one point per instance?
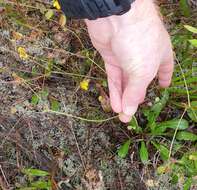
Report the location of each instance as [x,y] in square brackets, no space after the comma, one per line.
[35,172]
[174,179]
[143,153]
[153,113]
[186,136]
[193,42]
[44,93]
[38,185]
[185,9]
[35,99]
[187,184]
[192,111]
[41,184]
[133,125]
[193,157]
[49,14]
[171,124]
[48,68]
[104,83]
[189,163]
[41,95]
[124,149]
[34,71]
[191,29]
[55,105]
[164,152]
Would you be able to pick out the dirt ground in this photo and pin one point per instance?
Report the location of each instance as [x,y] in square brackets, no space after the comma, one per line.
[77,154]
[64,146]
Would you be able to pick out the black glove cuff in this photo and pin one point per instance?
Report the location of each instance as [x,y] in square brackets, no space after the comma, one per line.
[93,9]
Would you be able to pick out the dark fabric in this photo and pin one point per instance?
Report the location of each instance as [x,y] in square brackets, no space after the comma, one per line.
[93,9]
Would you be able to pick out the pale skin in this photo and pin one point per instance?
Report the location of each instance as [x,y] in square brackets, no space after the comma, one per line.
[135,48]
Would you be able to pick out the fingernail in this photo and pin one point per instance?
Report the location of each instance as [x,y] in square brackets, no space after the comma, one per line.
[124,118]
[130,110]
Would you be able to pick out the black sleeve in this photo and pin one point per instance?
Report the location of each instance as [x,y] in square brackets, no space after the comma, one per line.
[93,9]
[73,8]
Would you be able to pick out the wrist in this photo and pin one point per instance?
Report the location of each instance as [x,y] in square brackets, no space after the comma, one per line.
[141,10]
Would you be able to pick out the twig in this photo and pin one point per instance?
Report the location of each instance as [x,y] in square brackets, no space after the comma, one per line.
[80,118]
[120,180]
[2,184]
[185,82]
[77,144]
[171,145]
[4,177]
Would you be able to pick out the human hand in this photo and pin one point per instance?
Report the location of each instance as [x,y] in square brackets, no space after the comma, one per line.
[135,48]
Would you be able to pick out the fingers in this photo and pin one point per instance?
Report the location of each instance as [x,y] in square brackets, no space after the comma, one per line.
[133,95]
[166,71]
[113,70]
[114,75]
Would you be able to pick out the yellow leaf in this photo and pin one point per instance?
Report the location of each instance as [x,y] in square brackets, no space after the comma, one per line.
[13,110]
[17,79]
[100,98]
[84,85]
[104,99]
[22,53]
[56,4]
[62,20]
[193,157]
[151,183]
[17,35]
[164,169]
[105,103]
[49,14]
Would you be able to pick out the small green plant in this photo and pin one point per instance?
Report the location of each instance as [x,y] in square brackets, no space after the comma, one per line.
[154,128]
[123,150]
[185,9]
[42,98]
[36,180]
[151,139]
[192,29]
